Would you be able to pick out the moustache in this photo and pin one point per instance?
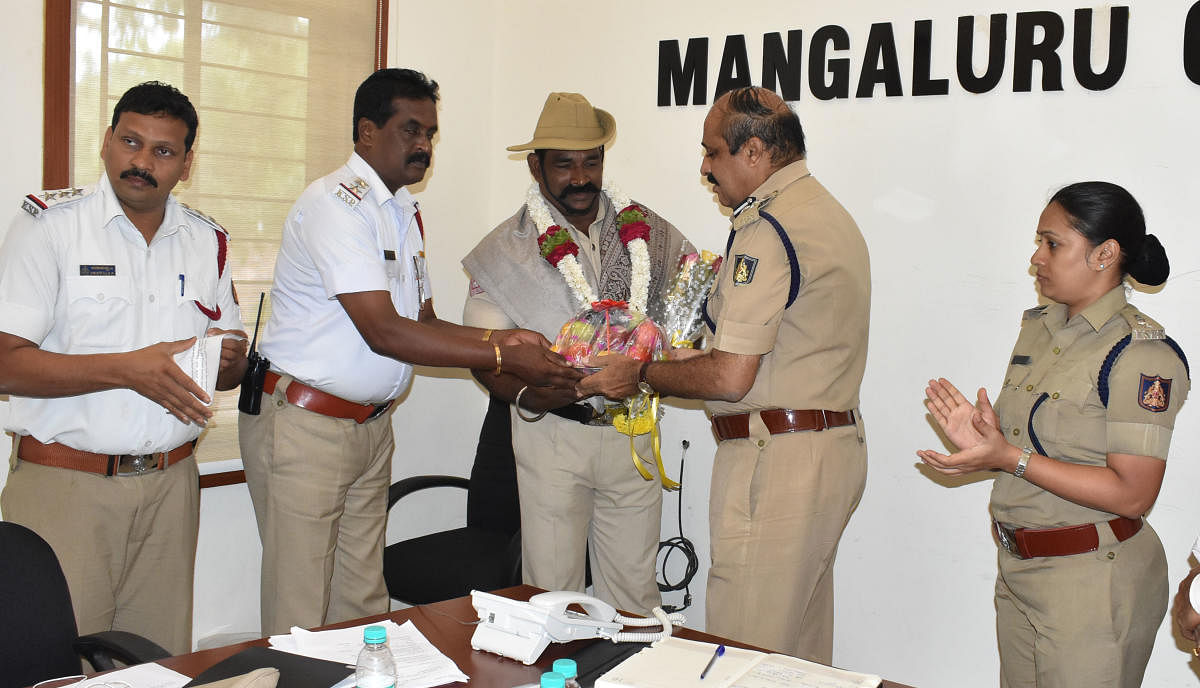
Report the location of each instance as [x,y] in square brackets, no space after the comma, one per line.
[140,174]
[711,179]
[418,157]
[582,188]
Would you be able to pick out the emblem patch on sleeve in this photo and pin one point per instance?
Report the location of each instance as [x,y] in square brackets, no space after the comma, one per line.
[1154,393]
[744,267]
[475,289]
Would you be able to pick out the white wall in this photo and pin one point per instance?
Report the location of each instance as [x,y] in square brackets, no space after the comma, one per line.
[946,189]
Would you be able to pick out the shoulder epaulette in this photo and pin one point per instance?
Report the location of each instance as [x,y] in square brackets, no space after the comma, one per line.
[36,204]
[206,219]
[352,192]
[748,216]
[1142,327]
[1034,313]
[222,243]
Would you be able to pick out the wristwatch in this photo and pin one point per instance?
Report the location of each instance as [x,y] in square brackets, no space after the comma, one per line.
[1022,463]
[643,385]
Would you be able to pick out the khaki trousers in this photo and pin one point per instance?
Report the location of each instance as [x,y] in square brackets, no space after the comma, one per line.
[126,544]
[578,489]
[319,488]
[776,513]
[1082,620]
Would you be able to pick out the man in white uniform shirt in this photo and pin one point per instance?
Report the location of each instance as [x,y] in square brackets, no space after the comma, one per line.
[99,287]
[351,313]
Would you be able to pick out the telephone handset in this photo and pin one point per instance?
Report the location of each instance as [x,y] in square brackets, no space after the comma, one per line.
[523,630]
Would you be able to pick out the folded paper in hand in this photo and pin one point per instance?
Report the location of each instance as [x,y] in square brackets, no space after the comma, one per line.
[677,663]
[202,362]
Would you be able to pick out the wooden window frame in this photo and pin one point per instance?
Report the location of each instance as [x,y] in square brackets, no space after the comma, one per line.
[56,110]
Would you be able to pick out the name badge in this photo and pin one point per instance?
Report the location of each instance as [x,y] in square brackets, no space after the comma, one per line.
[97,271]
[389,254]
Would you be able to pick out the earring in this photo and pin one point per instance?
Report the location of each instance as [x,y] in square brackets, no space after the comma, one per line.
[1102,266]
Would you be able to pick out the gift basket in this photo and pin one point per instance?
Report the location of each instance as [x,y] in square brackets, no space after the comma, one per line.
[611,327]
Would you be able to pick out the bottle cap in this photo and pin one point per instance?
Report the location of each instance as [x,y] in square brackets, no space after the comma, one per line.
[373,635]
[566,667]
[553,679]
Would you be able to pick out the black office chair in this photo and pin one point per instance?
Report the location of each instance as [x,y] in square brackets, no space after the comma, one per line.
[483,555]
[38,637]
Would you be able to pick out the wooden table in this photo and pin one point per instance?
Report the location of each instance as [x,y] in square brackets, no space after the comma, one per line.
[449,625]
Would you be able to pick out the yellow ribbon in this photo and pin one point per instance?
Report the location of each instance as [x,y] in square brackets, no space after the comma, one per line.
[678,342]
[634,423]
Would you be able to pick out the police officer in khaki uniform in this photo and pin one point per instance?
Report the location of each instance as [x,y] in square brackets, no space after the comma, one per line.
[1082,427]
[784,358]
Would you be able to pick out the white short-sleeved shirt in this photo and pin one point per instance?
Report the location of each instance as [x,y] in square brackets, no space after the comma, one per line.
[77,277]
[346,234]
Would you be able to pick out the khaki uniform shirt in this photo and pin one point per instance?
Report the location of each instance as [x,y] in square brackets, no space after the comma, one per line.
[1051,389]
[813,353]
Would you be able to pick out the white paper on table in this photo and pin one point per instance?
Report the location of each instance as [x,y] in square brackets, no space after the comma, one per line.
[418,663]
[678,663]
[202,362]
[141,676]
[779,671]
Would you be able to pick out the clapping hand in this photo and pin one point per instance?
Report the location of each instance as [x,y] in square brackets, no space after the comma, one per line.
[973,429]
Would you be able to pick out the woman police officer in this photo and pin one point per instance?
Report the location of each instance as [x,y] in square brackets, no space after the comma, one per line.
[1081,430]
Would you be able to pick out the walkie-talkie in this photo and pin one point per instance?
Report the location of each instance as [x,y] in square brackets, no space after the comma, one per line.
[250,400]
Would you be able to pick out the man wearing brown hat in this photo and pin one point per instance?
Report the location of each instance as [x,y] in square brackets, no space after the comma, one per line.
[578,487]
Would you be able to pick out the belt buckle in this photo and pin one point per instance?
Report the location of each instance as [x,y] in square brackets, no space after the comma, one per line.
[136,464]
[603,417]
[1008,539]
[824,422]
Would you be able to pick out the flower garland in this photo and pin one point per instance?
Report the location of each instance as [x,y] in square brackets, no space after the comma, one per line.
[556,246]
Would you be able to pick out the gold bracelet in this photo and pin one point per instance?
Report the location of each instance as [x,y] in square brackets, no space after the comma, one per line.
[499,360]
[487,336]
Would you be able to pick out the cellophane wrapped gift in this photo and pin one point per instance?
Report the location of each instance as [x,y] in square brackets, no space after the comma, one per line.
[609,326]
[678,315]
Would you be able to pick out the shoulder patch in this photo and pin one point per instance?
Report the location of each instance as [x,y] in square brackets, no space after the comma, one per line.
[36,204]
[1154,393]
[206,219]
[351,192]
[475,289]
[1034,313]
[1142,327]
[743,269]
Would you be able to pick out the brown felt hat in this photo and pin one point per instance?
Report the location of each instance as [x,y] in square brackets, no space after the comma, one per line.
[569,122]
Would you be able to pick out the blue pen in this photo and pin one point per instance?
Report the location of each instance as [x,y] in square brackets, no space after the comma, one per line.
[181,284]
[716,653]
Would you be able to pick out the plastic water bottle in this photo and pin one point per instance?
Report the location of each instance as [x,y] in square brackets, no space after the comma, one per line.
[376,668]
[570,672]
[553,679]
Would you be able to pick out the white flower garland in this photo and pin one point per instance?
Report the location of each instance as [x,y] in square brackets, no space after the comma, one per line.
[572,272]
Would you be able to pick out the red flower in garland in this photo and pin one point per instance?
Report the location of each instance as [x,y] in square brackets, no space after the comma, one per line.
[561,251]
[635,230]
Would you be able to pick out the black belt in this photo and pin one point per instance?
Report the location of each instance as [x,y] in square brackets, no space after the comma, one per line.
[582,413]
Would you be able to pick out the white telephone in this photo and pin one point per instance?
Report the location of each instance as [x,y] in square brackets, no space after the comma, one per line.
[523,630]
